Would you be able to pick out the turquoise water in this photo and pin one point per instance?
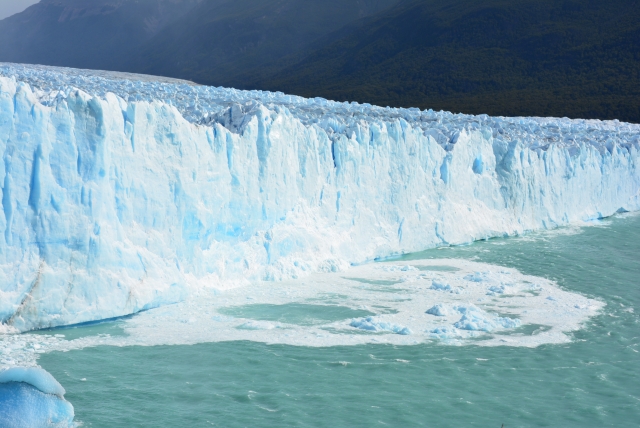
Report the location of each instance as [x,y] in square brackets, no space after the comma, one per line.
[591,382]
[295,313]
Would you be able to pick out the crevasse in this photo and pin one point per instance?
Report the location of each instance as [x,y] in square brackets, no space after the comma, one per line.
[121,194]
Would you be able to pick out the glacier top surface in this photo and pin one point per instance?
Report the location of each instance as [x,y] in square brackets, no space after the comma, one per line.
[206,105]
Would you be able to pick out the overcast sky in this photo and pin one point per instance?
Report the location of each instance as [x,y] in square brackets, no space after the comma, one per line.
[10,7]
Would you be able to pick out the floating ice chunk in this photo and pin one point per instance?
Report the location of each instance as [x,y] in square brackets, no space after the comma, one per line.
[476,319]
[23,405]
[551,298]
[259,325]
[372,324]
[494,290]
[35,376]
[476,277]
[438,310]
[441,286]
[444,333]
[397,268]
[507,322]
[475,322]
[31,397]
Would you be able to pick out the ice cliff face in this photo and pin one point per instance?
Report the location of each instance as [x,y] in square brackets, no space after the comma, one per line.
[120,194]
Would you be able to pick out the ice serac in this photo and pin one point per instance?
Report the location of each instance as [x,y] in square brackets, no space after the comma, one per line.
[122,193]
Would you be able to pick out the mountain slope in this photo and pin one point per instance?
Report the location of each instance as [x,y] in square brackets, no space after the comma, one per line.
[515,57]
[99,34]
[218,42]
[501,57]
[221,43]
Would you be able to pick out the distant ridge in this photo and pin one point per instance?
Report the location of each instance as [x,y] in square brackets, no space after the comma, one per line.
[193,39]
[96,34]
[500,57]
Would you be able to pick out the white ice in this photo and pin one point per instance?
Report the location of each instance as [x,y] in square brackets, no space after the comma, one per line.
[401,302]
[34,376]
[31,397]
[122,193]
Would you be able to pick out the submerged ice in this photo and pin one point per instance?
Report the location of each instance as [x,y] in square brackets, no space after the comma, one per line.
[122,194]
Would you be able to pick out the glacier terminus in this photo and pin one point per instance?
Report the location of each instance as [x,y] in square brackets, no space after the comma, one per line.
[122,193]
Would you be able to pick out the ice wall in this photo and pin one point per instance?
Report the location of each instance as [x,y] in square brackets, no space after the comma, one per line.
[114,204]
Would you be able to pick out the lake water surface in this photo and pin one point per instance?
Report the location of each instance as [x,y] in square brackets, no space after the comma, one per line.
[592,381]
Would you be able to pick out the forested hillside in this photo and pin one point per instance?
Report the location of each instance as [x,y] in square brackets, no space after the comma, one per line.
[501,57]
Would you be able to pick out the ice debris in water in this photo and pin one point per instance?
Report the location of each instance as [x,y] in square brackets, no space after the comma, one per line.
[475,277]
[387,312]
[442,286]
[444,333]
[395,268]
[438,310]
[437,285]
[373,324]
[259,325]
[495,289]
[475,319]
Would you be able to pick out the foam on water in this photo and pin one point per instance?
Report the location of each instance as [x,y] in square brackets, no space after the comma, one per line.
[482,304]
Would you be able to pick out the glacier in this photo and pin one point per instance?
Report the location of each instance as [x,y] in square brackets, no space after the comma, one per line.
[122,193]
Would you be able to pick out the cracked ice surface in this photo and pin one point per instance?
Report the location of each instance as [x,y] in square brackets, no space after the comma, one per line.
[208,105]
[122,193]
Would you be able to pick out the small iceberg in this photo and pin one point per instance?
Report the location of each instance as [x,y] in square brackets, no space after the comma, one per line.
[475,319]
[444,333]
[438,310]
[259,325]
[32,397]
[371,324]
[440,286]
